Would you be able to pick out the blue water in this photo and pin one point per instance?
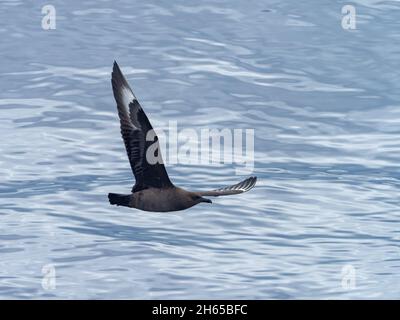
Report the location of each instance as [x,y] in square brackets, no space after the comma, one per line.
[324,104]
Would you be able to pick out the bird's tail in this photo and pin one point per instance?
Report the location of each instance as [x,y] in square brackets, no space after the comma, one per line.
[119,199]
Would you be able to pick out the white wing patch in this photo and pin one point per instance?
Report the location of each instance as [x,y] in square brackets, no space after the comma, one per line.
[127,96]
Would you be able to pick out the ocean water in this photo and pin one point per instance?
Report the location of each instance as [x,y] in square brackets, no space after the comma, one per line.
[323,100]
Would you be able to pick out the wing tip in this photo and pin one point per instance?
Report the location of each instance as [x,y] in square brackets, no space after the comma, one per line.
[119,84]
[243,186]
[249,183]
[116,67]
[116,74]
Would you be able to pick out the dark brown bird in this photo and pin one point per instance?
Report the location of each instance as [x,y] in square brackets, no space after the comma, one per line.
[153,190]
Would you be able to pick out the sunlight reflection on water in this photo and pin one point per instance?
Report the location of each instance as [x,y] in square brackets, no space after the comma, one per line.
[323,103]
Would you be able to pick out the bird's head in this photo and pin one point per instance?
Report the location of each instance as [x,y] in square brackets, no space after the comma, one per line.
[195,197]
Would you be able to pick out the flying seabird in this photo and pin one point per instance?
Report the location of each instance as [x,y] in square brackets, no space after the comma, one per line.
[153,190]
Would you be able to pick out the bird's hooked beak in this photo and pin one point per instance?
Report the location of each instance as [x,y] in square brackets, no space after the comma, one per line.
[205,200]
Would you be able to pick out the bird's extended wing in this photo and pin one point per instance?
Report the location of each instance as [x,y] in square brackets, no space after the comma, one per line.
[135,126]
[240,187]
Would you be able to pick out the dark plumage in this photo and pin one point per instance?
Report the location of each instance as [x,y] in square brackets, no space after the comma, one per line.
[153,190]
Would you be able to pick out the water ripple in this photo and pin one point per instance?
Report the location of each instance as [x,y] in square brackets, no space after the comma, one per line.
[323,103]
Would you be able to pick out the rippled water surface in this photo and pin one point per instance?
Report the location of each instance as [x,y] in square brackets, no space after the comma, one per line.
[324,106]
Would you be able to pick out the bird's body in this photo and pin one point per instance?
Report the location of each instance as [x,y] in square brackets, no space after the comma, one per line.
[158,200]
[153,190]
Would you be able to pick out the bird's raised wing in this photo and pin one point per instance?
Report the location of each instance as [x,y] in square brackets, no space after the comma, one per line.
[240,187]
[135,127]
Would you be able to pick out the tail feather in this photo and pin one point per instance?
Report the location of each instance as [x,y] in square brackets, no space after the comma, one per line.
[119,199]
